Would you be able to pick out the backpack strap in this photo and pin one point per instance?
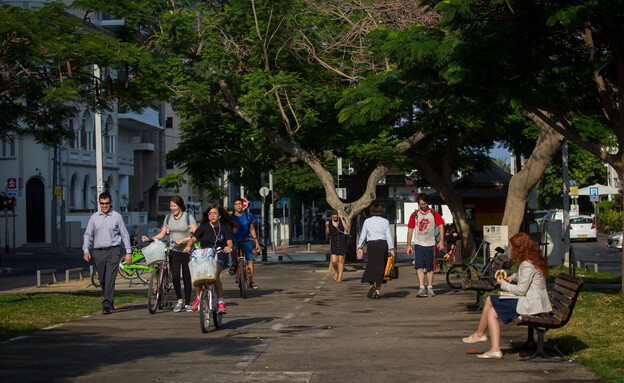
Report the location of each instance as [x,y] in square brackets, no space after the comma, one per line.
[188,219]
[167,219]
[248,219]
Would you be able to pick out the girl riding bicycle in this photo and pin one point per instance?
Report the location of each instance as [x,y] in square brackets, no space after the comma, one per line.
[215,232]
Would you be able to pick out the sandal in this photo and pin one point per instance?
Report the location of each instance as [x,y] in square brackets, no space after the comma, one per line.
[252,285]
[232,270]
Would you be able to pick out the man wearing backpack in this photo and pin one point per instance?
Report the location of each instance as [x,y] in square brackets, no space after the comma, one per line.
[241,239]
[426,220]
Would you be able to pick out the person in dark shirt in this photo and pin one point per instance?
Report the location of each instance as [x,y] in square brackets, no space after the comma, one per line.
[215,232]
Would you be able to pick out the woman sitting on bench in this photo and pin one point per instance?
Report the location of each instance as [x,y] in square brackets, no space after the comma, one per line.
[531,296]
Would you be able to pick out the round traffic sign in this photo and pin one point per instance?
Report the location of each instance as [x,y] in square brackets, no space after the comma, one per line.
[264,191]
[245,203]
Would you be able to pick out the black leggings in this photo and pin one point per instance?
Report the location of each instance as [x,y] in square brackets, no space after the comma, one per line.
[175,260]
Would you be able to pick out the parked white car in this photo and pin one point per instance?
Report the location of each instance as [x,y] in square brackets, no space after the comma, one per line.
[615,240]
[583,227]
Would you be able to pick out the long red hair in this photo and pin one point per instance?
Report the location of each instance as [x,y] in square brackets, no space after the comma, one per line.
[525,249]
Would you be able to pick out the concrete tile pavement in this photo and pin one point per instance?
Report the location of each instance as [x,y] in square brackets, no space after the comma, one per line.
[300,326]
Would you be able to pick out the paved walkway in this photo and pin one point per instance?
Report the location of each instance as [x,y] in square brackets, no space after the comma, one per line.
[300,326]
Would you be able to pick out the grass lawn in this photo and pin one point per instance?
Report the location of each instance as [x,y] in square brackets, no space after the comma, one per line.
[23,313]
[594,336]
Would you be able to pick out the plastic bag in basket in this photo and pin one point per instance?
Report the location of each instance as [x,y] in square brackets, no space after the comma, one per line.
[199,253]
[203,270]
[154,252]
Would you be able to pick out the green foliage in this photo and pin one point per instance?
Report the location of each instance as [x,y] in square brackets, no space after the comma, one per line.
[610,220]
[584,168]
[47,68]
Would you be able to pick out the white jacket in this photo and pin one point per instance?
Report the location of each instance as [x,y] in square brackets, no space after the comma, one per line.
[531,290]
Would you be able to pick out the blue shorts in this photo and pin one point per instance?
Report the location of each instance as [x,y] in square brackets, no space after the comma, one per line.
[246,246]
[423,257]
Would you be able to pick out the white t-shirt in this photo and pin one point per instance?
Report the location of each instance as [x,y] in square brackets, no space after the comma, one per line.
[178,229]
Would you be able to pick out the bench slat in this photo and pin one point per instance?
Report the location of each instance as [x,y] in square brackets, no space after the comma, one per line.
[562,315]
[561,307]
[561,298]
[573,285]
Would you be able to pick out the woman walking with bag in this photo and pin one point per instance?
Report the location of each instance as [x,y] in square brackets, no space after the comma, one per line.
[179,225]
[337,231]
[376,234]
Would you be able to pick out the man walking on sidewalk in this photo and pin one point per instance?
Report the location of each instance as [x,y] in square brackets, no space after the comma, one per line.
[105,232]
[425,220]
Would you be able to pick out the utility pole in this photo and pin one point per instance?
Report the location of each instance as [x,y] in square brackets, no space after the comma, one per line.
[99,163]
[566,205]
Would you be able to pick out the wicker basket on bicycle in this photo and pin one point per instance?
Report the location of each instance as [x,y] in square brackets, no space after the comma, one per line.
[203,266]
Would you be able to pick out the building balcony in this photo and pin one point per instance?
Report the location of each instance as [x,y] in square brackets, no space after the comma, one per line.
[147,120]
[139,145]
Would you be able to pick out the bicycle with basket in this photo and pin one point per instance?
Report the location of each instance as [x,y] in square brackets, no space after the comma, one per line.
[156,257]
[204,270]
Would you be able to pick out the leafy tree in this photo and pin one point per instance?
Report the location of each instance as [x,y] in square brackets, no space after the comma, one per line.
[558,62]
[47,60]
[242,60]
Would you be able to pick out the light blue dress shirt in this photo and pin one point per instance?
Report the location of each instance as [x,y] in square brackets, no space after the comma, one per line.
[376,228]
[106,231]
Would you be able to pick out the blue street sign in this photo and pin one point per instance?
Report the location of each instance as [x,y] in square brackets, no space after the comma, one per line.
[593,191]
[284,200]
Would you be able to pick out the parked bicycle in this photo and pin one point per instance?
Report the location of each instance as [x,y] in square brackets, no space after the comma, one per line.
[472,270]
[137,269]
[159,284]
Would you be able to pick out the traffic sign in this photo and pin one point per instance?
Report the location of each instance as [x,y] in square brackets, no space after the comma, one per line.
[284,200]
[245,203]
[264,191]
[593,191]
[11,186]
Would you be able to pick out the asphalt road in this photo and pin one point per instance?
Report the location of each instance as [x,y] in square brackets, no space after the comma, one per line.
[608,260]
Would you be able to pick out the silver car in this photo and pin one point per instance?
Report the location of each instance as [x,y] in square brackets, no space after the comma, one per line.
[615,240]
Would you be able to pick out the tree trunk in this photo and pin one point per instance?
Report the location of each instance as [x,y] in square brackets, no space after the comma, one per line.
[524,181]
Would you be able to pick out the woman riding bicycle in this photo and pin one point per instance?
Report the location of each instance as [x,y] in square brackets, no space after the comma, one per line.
[179,225]
[215,232]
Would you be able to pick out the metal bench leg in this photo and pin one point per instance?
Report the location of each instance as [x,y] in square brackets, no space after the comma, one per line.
[540,354]
[479,303]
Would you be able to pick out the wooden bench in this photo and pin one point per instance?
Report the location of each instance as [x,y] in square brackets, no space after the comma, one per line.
[480,286]
[563,298]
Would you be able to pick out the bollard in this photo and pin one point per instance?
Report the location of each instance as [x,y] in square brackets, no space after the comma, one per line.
[327,256]
[279,258]
[309,246]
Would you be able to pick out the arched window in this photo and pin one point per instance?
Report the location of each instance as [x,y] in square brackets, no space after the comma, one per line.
[86,190]
[83,136]
[109,136]
[74,188]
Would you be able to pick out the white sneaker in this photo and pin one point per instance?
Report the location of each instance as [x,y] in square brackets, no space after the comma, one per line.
[188,308]
[178,307]
[430,293]
[421,293]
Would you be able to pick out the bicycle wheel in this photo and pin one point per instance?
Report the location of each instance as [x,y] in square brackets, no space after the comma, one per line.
[217,319]
[153,291]
[95,278]
[130,274]
[456,274]
[242,278]
[204,311]
[164,287]
[142,274]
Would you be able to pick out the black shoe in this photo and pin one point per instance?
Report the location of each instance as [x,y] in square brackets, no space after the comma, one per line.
[106,310]
[232,270]
[371,292]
